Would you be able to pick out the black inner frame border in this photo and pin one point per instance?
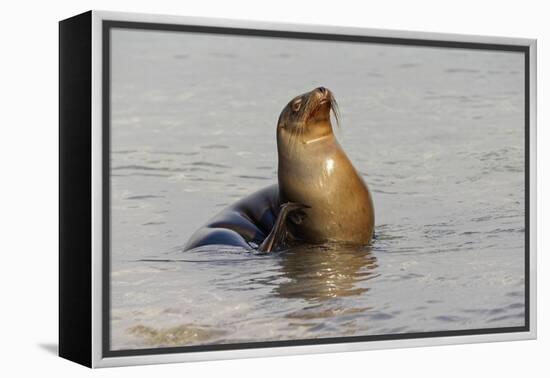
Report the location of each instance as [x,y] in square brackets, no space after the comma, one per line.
[108,25]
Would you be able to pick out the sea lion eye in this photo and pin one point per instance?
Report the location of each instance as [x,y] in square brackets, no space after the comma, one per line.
[296,105]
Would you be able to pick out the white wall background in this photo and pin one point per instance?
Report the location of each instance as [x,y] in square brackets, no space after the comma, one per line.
[28,161]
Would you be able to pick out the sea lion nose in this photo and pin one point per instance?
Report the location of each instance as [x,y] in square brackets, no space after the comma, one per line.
[323,90]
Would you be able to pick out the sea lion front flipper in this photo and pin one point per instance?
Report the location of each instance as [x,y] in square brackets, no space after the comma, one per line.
[279,236]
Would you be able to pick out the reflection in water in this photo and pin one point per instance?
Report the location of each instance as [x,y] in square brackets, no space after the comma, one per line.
[321,272]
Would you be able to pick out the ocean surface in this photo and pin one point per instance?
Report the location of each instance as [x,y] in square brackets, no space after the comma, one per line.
[437,133]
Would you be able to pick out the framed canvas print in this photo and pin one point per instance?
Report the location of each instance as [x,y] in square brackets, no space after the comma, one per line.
[232,189]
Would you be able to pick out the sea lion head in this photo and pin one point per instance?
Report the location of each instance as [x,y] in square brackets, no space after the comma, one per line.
[307,116]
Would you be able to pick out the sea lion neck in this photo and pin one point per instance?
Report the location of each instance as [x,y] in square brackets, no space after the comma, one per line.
[297,146]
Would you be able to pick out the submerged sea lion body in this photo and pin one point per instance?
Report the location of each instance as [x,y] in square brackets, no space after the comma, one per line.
[245,223]
[320,197]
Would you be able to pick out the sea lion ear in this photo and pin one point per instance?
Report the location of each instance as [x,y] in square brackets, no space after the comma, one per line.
[282,123]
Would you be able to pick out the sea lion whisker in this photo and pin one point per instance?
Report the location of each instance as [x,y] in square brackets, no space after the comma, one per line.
[316,139]
[335,110]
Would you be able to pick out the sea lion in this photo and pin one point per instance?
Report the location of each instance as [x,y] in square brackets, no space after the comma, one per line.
[320,197]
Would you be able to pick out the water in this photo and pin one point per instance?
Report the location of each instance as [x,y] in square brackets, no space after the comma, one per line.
[437,134]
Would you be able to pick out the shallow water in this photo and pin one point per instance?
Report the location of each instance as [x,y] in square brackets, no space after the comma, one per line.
[436,133]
